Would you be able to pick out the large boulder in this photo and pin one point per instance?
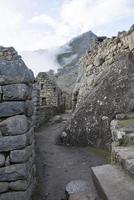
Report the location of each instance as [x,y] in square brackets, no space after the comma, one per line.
[105,89]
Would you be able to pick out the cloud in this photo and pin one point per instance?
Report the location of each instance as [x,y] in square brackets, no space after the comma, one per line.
[45,19]
[78,16]
[26,25]
[9,20]
[87,14]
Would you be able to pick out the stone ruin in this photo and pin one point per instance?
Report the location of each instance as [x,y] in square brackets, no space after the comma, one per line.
[17,168]
[50,94]
[48,99]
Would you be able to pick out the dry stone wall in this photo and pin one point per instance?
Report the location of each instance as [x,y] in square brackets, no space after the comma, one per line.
[47,98]
[105,87]
[17,168]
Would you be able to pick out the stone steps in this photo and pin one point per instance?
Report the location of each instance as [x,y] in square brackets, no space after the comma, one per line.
[116,182]
[113,183]
[123,132]
[125,157]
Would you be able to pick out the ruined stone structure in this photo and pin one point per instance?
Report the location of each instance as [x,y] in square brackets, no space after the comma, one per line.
[50,94]
[105,87]
[17,168]
[119,183]
[51,100]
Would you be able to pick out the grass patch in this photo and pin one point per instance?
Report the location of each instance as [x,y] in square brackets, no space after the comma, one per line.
[127,122]
[100,152]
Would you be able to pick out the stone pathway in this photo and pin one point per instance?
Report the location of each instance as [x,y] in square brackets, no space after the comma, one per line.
[58,165]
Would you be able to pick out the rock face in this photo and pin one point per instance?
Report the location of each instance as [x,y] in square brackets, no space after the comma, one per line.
[105,87]
[68,60]
[17,168]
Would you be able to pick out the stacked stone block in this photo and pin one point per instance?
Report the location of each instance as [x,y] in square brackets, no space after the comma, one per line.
[17,168]
[47,98]
[49,91]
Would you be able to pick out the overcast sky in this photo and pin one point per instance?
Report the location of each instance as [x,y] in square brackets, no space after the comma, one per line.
[35,24]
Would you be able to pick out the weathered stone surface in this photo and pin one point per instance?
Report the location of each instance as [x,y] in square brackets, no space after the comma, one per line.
[19,156]
[13,172]
[18,195]
[16,92]
[15,72]
[20,185]
[15,125]
[2,160]
[79,190]
[98,61]
[8,109]
[104,91]
[113,183]
[77,186]
[10,143]
[122,132]
[4,186]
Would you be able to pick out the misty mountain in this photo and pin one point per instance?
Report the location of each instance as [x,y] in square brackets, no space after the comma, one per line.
[64,58]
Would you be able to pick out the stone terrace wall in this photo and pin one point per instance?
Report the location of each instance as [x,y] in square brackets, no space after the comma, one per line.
[17,168]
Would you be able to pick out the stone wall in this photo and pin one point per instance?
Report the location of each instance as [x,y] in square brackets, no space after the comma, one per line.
[105,87]
[47,98]
[17,168]
[50,93]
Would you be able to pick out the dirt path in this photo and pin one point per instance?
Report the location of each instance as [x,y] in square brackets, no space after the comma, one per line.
[58,165]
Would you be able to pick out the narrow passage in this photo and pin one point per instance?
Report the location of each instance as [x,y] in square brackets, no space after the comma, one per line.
[57,165]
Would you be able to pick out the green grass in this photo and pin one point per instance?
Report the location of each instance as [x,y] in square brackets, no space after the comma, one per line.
[127,122]
[100,152]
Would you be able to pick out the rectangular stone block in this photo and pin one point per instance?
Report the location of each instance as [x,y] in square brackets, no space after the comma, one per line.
[16,92]
[19,156]
[10,143]
[20,195]
[15,125]
[8,109]
[14,172]
[4,186]
[20,185]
